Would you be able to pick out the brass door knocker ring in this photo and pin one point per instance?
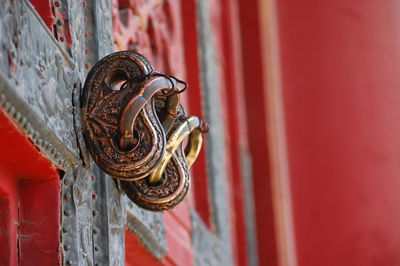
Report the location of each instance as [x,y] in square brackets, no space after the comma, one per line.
[137,103]
[134,126]
[169,182]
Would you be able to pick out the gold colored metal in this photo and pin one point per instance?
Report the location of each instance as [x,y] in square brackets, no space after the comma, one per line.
[193,147]
[191,128]
[134,127]
[171,112]
[137,103]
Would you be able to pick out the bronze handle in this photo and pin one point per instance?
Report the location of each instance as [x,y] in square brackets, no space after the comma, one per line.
[136,104]
[134,125]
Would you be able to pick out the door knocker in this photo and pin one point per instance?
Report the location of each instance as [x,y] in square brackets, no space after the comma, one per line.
[134,127]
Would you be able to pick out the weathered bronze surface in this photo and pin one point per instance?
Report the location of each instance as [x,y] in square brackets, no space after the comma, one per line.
[134,128]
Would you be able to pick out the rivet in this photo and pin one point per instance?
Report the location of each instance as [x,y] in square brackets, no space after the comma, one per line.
[29,131]
[17,117]
[93,178]
[84,3]
[62,39]
[95,231]
[96,248]
[85,19]
[35,136]
[24,123]
[65,229]
[87,66]
[67,247]
[7,106]
[86,51]
[39,142]
[65,164]
[58,4]
[67,212]
[28,125]
[49,147]
[66,181]
[68,262]
[94,196]
[67,196]
[12,111]
[53,151]
[86,34]
[45,145]
[61,162]
[95,213]
[57,155]
[3,97]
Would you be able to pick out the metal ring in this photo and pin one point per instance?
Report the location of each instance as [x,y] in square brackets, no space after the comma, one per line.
[191,128]
[136,104]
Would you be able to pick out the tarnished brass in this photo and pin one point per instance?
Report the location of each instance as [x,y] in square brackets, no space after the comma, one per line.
[132,149]
[134,127]
[189,126]
[169,182]
[137,103]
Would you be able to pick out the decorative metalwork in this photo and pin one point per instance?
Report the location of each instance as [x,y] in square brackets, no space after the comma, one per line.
[134,128]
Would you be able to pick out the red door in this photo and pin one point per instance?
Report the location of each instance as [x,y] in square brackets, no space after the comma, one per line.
[57,206]
[169,35]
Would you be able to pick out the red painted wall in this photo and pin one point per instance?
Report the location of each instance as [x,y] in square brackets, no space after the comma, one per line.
[256,120]
[341,85]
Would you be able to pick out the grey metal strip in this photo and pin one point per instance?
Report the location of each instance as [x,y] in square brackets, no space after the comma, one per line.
[33,127]
[149,226]
[69,223]
[49,34]
[248,193]
[209,249]
[38,77]
[216,160]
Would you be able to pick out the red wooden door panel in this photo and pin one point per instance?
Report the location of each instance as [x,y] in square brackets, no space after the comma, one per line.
[192,40]
[29,201]
[340,86]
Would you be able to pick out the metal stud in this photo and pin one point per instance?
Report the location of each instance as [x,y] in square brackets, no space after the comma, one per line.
[12,110]
[17,117]
[2,100]
[35,135]
[67,196]
[7,106]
